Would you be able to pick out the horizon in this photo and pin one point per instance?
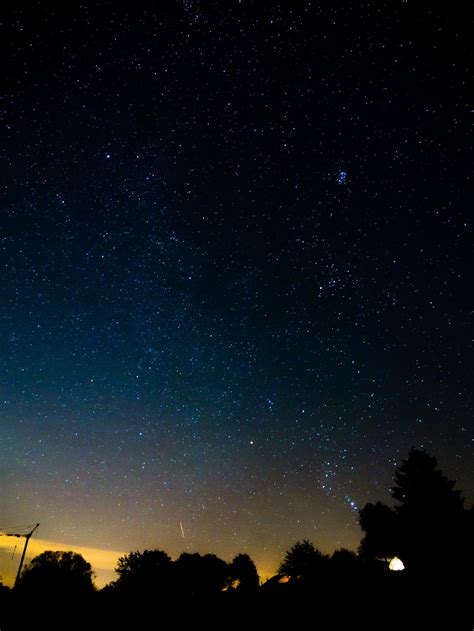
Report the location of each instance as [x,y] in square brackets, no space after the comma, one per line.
[103,561]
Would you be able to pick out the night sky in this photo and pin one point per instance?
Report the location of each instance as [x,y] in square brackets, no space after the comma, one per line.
[236,268]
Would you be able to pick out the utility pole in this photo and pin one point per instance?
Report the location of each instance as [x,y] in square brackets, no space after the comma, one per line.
[27,539]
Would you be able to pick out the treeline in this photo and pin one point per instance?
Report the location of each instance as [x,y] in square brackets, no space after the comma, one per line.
[429,530]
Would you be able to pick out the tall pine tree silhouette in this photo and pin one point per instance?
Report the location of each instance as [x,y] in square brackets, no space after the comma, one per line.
[428,527]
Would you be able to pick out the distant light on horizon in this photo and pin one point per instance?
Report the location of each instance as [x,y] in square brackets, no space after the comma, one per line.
[396,565]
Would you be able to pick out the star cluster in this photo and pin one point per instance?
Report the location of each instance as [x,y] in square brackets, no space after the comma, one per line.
[235,284]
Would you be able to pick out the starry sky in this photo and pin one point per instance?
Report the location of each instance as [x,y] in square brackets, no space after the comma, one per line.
[235,243]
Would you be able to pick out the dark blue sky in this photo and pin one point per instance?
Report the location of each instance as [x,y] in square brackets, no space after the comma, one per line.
[235,286]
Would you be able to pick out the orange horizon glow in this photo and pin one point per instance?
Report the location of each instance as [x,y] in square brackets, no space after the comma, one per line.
[102,560]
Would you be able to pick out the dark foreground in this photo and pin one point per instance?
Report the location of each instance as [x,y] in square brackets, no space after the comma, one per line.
[391,601]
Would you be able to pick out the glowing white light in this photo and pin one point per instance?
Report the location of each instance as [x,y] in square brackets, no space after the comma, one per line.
[396,564]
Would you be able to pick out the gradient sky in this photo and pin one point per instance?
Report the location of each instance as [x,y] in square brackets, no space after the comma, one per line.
[235,251]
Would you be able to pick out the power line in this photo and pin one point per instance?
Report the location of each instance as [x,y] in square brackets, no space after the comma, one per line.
[27,536]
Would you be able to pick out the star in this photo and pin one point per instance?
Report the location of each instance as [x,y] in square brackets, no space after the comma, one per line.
[341,177]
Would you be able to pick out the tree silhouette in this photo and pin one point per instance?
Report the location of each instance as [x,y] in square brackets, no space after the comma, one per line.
[200,575]
[428,528]
[303,561]
[380,523]
[214,573]
[430,512]
[243,573]
[145,572]
[420,486]
[344,559]
[57,573]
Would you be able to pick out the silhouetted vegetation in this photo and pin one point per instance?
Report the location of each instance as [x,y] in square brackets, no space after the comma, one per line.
[59,574]
[243,574]
[200,576]
[144,572]
[303,562]
[428,528]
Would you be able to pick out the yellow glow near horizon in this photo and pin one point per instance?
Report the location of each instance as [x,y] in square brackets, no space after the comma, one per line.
[103,561]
